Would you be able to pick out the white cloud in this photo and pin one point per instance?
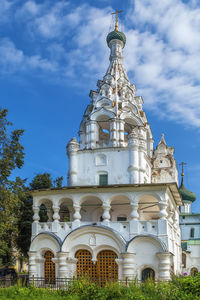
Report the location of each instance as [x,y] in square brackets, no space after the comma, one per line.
[5,7]
[13,60]
[164,54]
[29,9]
[161,55]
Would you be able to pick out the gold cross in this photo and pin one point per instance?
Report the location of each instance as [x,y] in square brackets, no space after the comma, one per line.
[182,164]
[116,19]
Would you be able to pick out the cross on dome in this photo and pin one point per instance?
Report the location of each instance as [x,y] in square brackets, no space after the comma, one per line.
[116,18]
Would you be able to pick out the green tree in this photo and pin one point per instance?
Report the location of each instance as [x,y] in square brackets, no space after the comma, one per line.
[11,191]
[40,181]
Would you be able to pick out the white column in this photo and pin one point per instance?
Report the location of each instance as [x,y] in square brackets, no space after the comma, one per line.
[36,218]
[72,149]
[133,158]
[77,215]
[128,266]
[120,268]
[163,209]
[176,220]
[62,262]
[164,265]
[121,133]
[36,210]
[32,264]
[49,213]
[93,135]
[134,211]
[106,212]
[72,262]
[113,133]
[56,218]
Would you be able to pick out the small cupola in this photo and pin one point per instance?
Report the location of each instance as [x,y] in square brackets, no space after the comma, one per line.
[116,34]
[186,195]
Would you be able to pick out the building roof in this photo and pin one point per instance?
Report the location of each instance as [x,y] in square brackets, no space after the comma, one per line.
[173,188]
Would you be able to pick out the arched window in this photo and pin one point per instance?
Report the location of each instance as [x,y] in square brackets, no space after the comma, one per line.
[49,267]
[43,213]
[194,271]
[64,213]
[148,273]
[192,232]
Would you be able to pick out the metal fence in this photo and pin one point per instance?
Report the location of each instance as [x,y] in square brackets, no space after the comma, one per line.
[55,284]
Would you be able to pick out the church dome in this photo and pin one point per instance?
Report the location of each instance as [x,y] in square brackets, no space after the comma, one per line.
[116,35]
[185,194]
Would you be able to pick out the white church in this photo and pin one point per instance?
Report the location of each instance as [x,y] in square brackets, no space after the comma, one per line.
[118,218]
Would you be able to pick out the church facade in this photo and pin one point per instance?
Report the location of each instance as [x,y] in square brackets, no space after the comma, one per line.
[118,218]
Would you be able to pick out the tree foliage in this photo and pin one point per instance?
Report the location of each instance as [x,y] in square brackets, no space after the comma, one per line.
[11,191]
[40,181]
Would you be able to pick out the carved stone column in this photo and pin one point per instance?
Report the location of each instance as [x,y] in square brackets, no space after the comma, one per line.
[36,210]
[121,133]
[56,218]
[134,211]
[72,262]
[113,133]
[128,266]
[120,268]
[62,262]
[163,210]
[76,216]
[36,218]
[32,264]
[72,149]
[133,169]
[106,213]
[164,265]
[49,214]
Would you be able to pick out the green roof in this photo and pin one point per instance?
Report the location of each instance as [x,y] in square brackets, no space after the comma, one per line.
[116,35]
[185,194]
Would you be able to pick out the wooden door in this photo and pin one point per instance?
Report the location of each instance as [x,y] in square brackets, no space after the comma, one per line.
[148,273]
[107,268]
[49,267]
[85,266]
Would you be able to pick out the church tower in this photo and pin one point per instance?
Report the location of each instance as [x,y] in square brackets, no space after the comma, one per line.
[116,143]
[118,218]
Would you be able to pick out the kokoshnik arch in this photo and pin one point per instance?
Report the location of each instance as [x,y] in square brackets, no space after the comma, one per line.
[118,218]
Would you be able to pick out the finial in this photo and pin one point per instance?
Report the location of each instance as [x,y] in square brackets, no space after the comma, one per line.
[182,174]
[116,18]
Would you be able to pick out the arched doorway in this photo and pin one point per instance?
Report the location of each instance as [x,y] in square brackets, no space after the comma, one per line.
[148,273]
[194,271]
[85,266]
[107,268]
[49,267]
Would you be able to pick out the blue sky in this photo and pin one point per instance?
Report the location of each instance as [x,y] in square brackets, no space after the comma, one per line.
[53,52]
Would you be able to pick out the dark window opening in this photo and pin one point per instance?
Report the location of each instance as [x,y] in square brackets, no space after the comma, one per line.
[192,232]
[103,179]
[121,219]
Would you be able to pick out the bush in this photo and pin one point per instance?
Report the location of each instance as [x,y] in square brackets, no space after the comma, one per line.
[180,288]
